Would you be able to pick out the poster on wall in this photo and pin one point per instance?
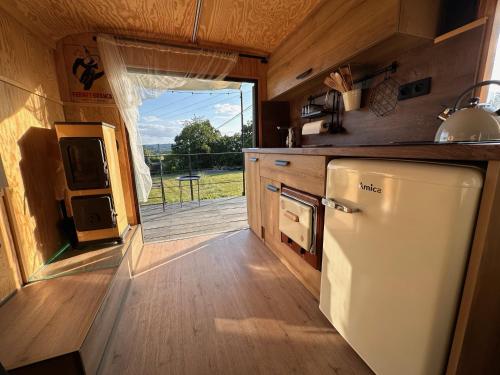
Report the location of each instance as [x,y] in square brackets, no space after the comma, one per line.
[87,78]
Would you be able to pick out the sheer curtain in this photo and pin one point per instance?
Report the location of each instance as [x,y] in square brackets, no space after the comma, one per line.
[141,70]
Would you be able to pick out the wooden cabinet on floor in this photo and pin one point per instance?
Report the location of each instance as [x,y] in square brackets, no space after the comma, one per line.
[270,200]
[252,192]
[264,177]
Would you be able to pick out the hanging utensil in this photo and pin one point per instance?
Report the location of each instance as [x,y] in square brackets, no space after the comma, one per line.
[384,97]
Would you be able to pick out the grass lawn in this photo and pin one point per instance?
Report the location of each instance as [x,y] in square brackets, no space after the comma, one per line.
[213,184]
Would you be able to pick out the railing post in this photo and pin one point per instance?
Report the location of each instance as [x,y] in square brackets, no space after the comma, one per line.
[242,141]
[243,168]
[190,173]
[160,157]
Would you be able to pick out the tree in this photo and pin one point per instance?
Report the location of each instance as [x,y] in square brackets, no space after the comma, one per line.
[248,134]
[197,137]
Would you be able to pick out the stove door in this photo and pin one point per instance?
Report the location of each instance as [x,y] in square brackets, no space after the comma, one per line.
[93,212]
[296,221]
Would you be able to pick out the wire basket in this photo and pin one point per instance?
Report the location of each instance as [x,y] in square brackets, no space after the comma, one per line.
[384,97]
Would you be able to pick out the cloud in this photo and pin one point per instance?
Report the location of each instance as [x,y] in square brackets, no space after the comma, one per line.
[159,132]
[227,109]
[151,118]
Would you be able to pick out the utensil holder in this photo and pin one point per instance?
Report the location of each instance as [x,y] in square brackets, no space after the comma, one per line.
[352,99]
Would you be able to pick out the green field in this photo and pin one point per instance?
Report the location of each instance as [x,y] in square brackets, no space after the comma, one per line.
[212,185]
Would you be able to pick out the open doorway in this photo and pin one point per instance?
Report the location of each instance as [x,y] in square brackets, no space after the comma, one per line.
[192,142]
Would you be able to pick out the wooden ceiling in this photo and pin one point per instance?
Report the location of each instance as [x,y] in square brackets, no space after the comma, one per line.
[256,25]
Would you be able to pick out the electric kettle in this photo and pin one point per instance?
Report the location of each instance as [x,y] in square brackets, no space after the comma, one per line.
[473,123]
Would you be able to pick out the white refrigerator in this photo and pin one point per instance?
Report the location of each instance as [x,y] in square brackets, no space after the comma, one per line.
[396,243]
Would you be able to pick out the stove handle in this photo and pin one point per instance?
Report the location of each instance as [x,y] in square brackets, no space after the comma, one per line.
[291,216]
[332,203]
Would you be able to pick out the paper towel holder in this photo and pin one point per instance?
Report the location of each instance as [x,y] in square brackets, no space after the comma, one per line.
[335,123]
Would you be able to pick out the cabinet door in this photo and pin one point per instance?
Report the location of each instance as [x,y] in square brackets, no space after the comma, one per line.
[252,192]
[270,200]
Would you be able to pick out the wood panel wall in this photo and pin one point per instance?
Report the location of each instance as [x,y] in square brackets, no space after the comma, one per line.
[30,103]
[10,277]
[453,66]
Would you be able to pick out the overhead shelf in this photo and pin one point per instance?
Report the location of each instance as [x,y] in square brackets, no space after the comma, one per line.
[461,30]
[339,32]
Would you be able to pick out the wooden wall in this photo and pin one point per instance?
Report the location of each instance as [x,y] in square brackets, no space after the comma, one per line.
[10,277]
[453,66]
[30,103]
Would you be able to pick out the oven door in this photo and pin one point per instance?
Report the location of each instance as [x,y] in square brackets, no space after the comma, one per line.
[297,221]
[84,162]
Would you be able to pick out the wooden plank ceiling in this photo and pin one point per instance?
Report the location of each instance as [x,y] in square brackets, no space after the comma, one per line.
[251,25]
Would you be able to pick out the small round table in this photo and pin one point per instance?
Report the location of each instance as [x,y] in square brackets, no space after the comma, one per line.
[189,178]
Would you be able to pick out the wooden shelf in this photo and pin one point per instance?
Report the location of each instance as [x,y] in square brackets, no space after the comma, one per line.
[62,324]
[461,30]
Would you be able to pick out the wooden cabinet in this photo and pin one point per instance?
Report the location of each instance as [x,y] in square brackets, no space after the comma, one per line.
[338,31]
[270,200]
[306,173]
[252,192]
[265,174]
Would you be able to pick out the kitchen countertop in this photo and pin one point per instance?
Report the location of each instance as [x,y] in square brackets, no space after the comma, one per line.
[431,151]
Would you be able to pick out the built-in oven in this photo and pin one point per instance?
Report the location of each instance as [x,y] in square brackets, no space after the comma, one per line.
[85,164]
[93,212]
[301,224]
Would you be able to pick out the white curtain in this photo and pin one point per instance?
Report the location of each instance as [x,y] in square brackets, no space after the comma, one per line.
[141,70]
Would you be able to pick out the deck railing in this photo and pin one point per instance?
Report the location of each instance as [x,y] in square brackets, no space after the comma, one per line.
[221,175]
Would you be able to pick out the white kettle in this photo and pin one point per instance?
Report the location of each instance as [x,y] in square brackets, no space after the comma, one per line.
[472,123]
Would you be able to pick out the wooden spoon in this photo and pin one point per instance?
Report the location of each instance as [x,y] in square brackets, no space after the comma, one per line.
[330,82]
[340,81]
[345,72]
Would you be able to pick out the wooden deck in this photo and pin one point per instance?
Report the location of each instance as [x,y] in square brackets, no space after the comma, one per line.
[222,304]
[212,216]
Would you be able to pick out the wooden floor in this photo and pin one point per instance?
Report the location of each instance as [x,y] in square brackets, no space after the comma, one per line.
[176,222]
[222,304]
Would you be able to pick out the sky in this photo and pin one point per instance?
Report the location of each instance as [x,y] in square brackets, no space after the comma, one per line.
[162,118]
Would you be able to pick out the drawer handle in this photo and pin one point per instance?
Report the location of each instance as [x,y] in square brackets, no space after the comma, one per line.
[304,74]
[253,159]
[281,163]
[291,216]
[332,203]
[272,188]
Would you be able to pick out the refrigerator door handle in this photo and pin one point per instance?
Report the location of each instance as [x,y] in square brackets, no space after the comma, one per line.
[338,206]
